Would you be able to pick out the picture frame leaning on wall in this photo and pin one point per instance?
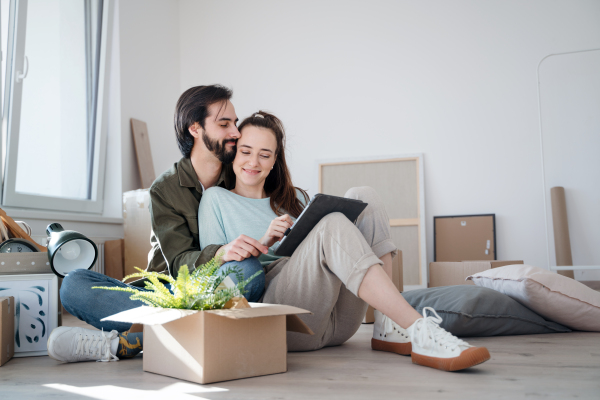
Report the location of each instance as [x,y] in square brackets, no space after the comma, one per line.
[36,310]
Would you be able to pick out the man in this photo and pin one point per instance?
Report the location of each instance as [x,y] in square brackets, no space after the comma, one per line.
[205,126]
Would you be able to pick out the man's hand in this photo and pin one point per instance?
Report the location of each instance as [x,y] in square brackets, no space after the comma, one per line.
[241,248]
[276,230]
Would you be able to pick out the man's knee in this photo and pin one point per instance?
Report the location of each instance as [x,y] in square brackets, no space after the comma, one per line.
[77,285]
[71,287]
[247,267]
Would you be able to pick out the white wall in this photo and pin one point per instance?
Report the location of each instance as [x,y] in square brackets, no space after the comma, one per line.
[150,85]
[453,80]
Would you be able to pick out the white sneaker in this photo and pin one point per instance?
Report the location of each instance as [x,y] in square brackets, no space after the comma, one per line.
[434,347]
[389,336]
[70,344]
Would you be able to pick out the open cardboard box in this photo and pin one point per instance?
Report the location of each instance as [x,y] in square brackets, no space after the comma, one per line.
[216,345]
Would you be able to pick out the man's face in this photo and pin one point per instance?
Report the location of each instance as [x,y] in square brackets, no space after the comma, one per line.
[220,133]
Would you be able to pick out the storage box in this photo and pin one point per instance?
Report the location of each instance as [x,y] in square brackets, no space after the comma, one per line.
[7,329]
[137,227]
[114,251]
[455,273]
[24,263]
[217,345]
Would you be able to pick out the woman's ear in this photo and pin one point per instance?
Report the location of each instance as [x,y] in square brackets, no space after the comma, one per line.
[195,130]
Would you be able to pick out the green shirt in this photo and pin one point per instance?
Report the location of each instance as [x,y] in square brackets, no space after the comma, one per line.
[174,200]
[224,215]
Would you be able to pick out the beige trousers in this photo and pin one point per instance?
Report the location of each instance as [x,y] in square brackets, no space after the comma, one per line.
[326,270]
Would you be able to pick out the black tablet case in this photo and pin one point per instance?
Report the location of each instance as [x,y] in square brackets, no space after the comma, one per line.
[317,208]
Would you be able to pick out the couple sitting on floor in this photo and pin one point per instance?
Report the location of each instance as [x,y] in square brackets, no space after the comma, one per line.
[232,194]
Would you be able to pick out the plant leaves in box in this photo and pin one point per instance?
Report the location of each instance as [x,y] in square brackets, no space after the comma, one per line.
[191,291]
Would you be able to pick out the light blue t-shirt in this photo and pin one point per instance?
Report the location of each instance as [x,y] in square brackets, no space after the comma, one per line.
[224,215]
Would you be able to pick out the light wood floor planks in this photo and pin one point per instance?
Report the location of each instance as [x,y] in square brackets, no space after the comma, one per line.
[554,366]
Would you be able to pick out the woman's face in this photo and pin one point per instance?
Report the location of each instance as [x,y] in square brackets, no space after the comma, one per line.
[255,155]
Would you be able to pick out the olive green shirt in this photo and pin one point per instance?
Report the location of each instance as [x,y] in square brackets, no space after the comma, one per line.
[174,200]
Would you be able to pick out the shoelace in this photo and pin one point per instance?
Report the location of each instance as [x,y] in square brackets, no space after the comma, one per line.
[430,331]
[95,345]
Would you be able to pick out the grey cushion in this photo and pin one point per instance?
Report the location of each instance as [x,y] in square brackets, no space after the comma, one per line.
[469,310]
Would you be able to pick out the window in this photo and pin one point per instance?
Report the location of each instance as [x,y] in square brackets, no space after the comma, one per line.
[54,114]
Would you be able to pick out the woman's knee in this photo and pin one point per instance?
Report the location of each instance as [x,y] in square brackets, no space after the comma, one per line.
[364,193]
[335,220]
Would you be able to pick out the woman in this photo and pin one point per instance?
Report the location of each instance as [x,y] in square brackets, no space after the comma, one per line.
[336,270]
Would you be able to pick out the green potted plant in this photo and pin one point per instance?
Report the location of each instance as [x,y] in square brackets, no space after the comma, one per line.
[200,290]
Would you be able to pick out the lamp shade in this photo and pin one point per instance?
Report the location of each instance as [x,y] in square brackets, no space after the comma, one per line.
[69,250]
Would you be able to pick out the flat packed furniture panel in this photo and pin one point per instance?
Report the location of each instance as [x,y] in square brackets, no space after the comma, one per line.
[407,240]
[464,238]
[399,182]
[395,181]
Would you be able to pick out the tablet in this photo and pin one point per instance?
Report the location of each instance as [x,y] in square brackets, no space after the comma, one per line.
[317,208]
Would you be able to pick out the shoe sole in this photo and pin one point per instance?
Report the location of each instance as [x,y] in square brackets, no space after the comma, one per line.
[467,359]
[404,349]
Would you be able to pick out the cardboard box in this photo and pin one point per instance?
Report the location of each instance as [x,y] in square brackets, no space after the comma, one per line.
[397,279]
[137,227]
[464,237]
[455,273]
[7,329]
[113,258]
[217,345]
[24,263]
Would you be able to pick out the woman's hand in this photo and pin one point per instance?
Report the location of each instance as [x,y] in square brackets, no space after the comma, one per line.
[241,248]
[276,230]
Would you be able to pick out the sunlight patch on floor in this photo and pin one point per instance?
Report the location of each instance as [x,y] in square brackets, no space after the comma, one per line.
[108,392]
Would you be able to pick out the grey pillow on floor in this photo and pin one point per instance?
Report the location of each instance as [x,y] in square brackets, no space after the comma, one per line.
[469,310]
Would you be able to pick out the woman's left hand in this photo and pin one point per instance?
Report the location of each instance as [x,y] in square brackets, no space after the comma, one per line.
[276,230]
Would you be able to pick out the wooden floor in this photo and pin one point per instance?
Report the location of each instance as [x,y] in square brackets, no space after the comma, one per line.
[553,366]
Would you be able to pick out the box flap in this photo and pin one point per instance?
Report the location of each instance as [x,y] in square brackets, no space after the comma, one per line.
[259,310]
[150,315]
[157,316]
[293,323]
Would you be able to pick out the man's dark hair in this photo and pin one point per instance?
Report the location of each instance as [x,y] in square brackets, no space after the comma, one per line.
[192,107]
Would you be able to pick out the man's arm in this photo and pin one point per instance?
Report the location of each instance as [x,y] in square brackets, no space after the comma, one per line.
[175,239]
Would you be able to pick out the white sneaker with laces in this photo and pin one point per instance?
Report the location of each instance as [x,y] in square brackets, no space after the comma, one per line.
[434,347]
[389,336]
[70,344]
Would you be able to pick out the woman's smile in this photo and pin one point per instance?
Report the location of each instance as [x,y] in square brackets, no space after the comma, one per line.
[251,171]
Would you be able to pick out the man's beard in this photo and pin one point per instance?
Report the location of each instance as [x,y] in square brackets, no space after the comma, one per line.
[220,149]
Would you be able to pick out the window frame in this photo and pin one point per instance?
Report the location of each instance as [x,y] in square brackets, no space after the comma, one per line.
[15,61]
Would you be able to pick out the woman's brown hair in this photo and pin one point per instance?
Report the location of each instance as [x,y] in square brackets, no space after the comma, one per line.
[278,184]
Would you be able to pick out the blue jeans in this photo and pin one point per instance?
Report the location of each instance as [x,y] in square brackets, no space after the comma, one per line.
[91,305]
